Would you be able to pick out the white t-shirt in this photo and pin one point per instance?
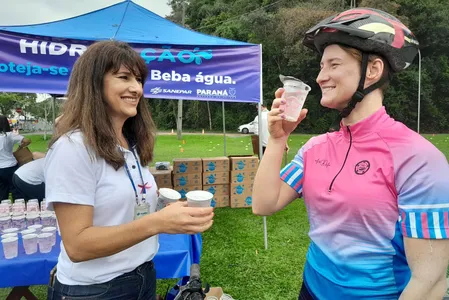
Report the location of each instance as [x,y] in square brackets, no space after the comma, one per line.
[74,176]
[264,125]
[32,172]
[7,142]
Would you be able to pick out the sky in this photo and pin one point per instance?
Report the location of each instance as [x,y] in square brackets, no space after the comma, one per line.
[12,12]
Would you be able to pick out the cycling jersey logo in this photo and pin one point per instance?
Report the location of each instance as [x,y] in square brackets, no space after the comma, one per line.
[362,167]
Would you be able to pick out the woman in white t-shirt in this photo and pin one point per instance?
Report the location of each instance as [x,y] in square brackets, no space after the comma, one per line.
[100,187]
[8,163]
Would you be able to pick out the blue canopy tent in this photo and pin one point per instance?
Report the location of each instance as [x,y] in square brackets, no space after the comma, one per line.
[183,64]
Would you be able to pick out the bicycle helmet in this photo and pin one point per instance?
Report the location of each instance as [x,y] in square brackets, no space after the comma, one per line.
[371,31]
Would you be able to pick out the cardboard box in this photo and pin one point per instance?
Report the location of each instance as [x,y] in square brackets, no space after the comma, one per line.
[163,178]
[241,195]
[194,179]
[217,189]
[216,178]
[220,201]
[183,190]
[187,165]
[244,163]
[216,164]
[242,176]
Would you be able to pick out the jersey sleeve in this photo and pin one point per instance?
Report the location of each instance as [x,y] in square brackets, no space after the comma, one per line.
[293,173]
[422,183]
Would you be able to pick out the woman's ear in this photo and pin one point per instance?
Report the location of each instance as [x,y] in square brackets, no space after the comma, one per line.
[375,70]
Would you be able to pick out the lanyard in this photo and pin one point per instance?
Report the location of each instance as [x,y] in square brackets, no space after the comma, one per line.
[144,188]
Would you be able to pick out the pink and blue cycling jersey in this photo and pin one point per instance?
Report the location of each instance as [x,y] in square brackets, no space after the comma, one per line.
[365,188]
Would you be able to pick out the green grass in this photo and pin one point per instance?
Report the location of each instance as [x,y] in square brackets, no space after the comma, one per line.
[233,249]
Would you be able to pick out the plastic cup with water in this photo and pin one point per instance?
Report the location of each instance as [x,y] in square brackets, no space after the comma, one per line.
[295,94]
[27,231]
[199,198]
[30,243]
[10,247]
[11,230]
[45,242]
[51,230]
[33,219]
[167,196]
[5,223]
[37,227]
[8,235]
[19,222]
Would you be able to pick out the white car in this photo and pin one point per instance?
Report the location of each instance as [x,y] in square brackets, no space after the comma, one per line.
[248,128]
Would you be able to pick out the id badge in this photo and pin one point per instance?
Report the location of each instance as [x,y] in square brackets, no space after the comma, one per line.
[141,210]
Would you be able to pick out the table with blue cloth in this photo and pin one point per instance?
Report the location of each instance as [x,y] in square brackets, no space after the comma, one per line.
[175,256]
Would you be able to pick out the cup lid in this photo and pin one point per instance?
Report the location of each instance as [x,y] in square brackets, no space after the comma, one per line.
[5,218]
[18,217]
[169,194]
[32,215]
[199,195]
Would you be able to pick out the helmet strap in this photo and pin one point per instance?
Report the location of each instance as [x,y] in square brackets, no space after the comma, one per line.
[360,93]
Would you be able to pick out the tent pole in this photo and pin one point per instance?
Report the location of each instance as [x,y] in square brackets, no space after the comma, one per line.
[265,227]
[419,88]
[53,104]
[224,128]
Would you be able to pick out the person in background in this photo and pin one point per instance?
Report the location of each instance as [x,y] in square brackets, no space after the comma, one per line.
[263,125]
[98,182]
[376,192]
[8,163]
[29,179]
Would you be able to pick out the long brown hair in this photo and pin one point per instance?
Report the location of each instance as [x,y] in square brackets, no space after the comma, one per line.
[86,107]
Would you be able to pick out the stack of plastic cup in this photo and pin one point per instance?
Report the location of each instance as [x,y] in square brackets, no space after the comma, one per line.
[10,247]
[30,243]
[51,230]
[45,242]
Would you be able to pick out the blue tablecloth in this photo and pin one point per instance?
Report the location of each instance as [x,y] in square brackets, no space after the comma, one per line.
[176,254]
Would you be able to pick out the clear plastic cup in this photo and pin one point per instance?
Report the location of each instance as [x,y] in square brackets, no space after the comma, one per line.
[167,196]
[30,243]
[8,235]
[27,231]
[19,222]
[51,230]
[44,240]
[5,208]
[10,247]
[33,219]
[37,227]
[199,198]
[32,206]
[11,230]
[5,223]
[18,208]
[43,205]
[47,219]
[295,94]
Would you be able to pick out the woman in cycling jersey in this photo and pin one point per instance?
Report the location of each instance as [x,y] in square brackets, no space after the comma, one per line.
[376,192]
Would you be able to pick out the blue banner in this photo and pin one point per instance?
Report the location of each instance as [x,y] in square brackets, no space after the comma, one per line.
[42,65]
